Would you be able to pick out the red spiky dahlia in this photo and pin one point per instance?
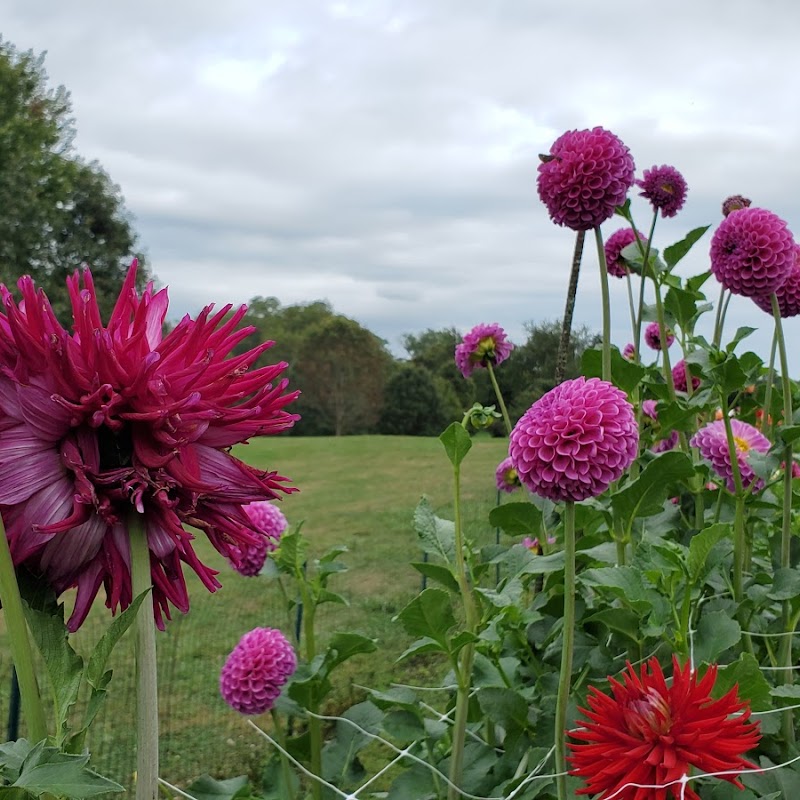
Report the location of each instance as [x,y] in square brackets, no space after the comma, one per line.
[650,734]
[110,421]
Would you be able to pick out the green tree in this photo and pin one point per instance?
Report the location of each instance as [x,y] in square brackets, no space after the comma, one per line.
[412,404]
[58,211]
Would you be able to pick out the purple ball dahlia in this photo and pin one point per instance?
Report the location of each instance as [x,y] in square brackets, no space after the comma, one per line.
[586,175]
[788,293]
[484,344]
[712,443]
[752,252]
[680,377]
[734,203]
[256,670]
[506,476]
[663,445]
[665,188]
[270,523]
[652,336]
[616,243]
[629,351]
[649,409]
[575,440]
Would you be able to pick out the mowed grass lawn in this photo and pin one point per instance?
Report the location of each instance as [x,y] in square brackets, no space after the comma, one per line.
[356,491]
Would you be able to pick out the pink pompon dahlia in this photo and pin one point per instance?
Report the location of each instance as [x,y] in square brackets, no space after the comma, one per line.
[256,671]
[268,519]
[586,175]
[680,377]
[506,477]
[534,546]
[788,293]
[752,252]
[712,443]
[665,188]
[575,440]
[649,733]
[629,351]
[652,336]
[484,344]
[734,203]
[117,421]
[617,242]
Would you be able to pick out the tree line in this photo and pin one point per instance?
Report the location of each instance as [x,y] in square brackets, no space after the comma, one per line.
[352,384]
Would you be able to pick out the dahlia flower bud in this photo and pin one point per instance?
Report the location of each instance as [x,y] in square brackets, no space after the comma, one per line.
[629,351]
[616,243]
[586,175]
[665,188]
[575,440]
[712,442]
[256,670]
[752,252]
[484,344]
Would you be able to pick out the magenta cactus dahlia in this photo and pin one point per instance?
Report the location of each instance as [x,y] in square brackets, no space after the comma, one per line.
[256,671]
[712,443]
[482,345]
[112,421]
[268,519]
[788,293]
[680,377]
[506,477]
[586,175]
[575,440]
[616,243]
[752,252]
[652,336]
[665,188]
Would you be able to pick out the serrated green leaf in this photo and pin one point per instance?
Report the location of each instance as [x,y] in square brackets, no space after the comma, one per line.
[716,633]
[626,583]
[429,614]
[290,557]
[436,535]
[753,686]
[622,620]
[701,545]
[457,443]
[517,519]
[423,645]
[504,706]
[438,573]
[675,252]
[624,374]
[343,646]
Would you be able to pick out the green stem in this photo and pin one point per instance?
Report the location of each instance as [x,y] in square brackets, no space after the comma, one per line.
[280,738]
[662,332]
[644,249]
[606,303]
[568,634]
[786,522]
[720,319]
[632,309]
[146,668]
[499,396]
[20,644]
[314,723]
[766,420]
[467,654]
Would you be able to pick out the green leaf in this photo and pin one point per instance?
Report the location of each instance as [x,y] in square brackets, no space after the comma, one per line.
[741,333]
[624,374]
[504,706]
[438,573]
[626,583]
[645,495]
[291,554]
[404,726]
[788,434]
[753,686]
[344,646]
[701,545]
[622,620]
[457,443]
[429,614]
[208,788]
[716,633]
[436,535]
[542,565]
[785,584]
[675,252]
[424,645]
[516,519]
[786,692]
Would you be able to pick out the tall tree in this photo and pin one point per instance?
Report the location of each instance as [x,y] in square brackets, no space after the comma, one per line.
[412,404]
[58,212]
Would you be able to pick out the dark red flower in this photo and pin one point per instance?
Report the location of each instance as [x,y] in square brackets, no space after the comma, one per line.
[649,733]
[113,421]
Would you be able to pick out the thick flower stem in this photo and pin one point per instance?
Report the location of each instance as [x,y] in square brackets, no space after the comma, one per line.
[146,674]
[569,308]
[644,249]
[662,333]
[766,419]
[568,635]
[314,723]
[467,654]
[606,304]
[786,522]
[499,395]
[280,738]
[20,644]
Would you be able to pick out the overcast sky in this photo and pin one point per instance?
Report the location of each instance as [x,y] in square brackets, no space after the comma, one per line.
[382,155]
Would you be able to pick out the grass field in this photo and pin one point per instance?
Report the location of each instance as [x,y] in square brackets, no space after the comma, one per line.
[357,491]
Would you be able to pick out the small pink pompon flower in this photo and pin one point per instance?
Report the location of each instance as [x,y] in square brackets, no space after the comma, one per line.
[665,188]
[256,671]
[629,351]
[788,293]
[680,377]
[506,477]
[484,344]
[270,523]
[613,248]
[652,336]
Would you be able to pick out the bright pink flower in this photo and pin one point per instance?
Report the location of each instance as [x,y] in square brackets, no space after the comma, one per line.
[788,293]
[652,733]
[533,544]
[269,521]
[752,252]
[680,373]
[575,440]
[712,443]
[629,351]
[663,445]
[665,188]
[256,671]
[652,336]
[506,477]
[109,422]
[586,175]
[614,246]
[649,409]
[482,345]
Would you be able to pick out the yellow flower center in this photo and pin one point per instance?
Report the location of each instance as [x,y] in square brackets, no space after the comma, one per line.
[668,188]
[741,445]
[484,350]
